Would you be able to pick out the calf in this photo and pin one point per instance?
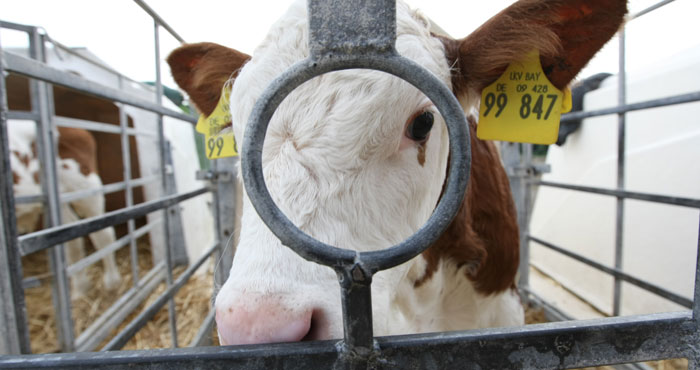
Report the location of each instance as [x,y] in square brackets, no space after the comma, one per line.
[357,159]
[76,170]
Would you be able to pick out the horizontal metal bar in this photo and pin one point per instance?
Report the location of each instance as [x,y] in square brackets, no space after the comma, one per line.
[649,9]
[33,281]
[17,27]
[136,324]
[672,100]
[107,189]
[98,126]
[559,345]
[102,327]
[203,336]
[40,240]
[664,199]
[18,114]
[100,253]
[31,68]
[80,194]
[159,20]
[673,297]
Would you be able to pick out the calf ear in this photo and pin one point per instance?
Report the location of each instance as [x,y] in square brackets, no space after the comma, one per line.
[202,70]
[567,34]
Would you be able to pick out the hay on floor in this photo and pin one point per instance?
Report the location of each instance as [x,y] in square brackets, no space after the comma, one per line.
[192,303]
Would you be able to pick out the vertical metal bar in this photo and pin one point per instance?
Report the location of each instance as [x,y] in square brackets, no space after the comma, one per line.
[694,362]
[524,215]
[128,191]
[620,204]
[226,203]
[42,103]
[13,317]
[163,147]
[356,300]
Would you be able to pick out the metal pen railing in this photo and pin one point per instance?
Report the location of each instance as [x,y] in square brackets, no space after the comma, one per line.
[41,77]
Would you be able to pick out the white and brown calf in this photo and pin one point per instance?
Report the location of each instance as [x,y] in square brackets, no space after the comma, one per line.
[76,170]
[357,159]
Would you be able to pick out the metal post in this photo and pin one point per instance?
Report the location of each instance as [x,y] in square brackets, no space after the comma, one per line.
[694,359]
[42,104]
[620,204]
[163,147]
[517,161]
[13,316]
[226,204]
[128,191]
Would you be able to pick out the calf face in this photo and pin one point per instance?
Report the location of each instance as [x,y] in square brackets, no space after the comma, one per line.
[357,159]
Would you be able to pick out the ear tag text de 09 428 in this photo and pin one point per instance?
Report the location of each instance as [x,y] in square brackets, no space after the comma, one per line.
[217,130]
[522,105]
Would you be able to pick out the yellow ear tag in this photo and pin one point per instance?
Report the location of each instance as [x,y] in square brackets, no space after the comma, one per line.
[217,130]
[522,105]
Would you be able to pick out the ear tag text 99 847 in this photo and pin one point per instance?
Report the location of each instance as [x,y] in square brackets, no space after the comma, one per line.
[219,141]
[522,105]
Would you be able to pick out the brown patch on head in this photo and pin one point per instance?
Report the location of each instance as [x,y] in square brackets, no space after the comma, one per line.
[421,153]
[567,33]
[36,177]
[484,234]
[15,178]
[202,70]
[79,145]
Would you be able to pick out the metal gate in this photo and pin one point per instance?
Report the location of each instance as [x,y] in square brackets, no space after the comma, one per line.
[569,344]
[13,318]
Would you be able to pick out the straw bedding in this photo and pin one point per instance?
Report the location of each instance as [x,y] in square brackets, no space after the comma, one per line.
[192,304]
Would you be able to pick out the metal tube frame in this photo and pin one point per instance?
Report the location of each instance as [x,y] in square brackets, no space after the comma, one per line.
[553,345]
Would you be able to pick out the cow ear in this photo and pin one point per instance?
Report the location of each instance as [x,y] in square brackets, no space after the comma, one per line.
[567,34]
[202,70]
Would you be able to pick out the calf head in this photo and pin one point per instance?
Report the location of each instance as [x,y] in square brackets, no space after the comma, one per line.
[357,158]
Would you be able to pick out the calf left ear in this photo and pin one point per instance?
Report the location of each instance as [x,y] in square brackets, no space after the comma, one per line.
[567,34]
[202,70]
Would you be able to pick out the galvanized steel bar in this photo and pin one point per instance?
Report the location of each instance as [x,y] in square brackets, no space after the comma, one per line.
[13,316]
[664,199]
[226,207]
[204,334]
[137,323]
[620,202]
[30,68]
[42,103]
[617,273]
[29,116]
[128,192]
[654,103]
[561,345]
[40,240]
[80,194]
[94,257]
[158,20]
[164,149]
[649,9]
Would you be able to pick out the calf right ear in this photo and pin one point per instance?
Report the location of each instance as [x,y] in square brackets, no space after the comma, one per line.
[202,70]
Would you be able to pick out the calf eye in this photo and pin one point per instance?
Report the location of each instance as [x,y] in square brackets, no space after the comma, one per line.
[419,128]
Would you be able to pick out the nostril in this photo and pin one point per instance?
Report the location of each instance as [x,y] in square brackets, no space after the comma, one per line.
[316,327]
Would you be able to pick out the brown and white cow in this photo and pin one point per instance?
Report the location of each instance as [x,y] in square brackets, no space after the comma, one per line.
[76,170]
[357,159]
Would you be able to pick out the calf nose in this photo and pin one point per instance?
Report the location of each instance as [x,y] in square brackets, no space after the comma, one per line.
[265,322]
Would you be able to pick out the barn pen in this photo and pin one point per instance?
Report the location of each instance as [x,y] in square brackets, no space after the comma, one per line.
[564,344]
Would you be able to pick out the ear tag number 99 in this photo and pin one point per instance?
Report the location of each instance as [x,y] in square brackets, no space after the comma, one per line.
[522,105]
[217,130]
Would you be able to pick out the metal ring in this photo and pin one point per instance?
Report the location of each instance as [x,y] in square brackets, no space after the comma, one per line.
[312,249]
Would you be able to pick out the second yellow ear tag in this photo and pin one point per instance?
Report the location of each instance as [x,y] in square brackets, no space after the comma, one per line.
[217,130]
[522,105]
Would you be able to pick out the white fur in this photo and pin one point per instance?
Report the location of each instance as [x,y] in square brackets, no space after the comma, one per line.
[334,164]
[21,136]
